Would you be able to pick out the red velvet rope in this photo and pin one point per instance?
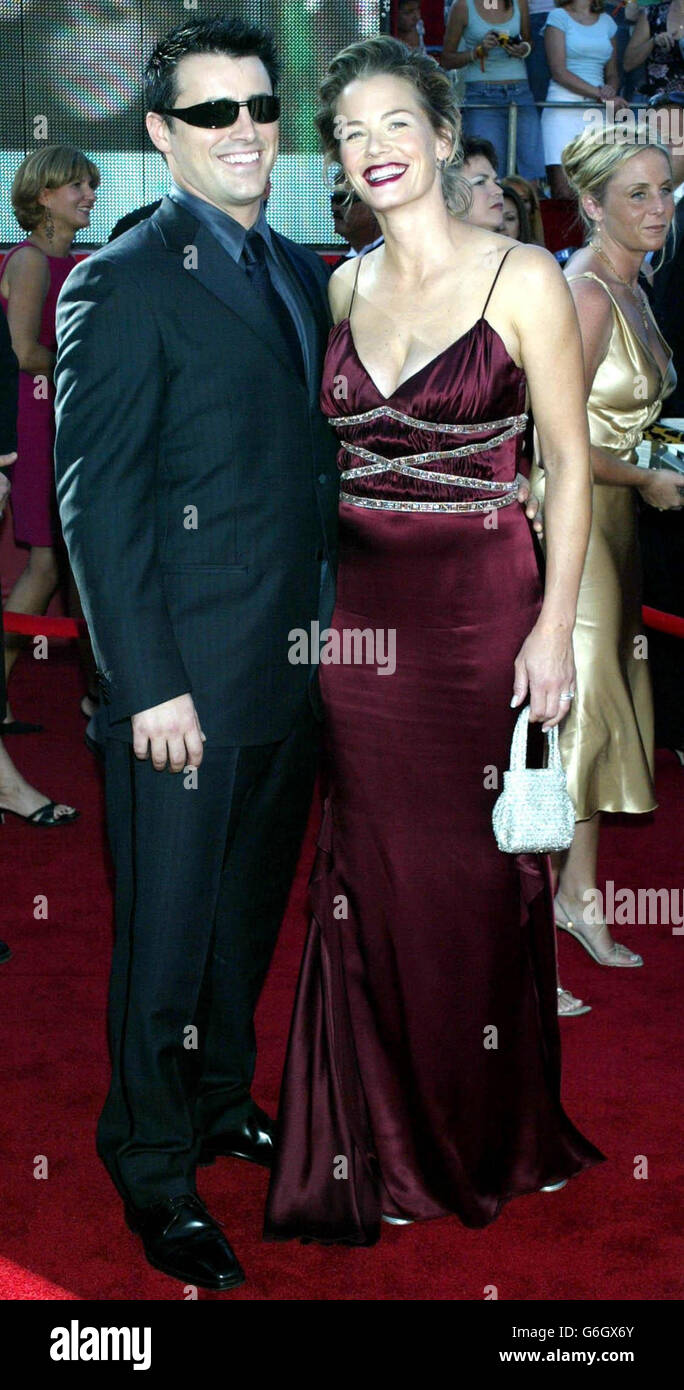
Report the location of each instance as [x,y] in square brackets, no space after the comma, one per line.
[29,625]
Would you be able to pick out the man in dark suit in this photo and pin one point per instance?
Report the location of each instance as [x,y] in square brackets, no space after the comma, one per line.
[197,487]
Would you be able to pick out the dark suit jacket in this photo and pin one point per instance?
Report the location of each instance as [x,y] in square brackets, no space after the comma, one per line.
[196,478]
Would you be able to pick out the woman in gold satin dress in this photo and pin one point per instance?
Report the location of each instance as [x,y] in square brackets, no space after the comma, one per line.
[624,188]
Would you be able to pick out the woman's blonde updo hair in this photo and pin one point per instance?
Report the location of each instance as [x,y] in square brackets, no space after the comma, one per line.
[49,167]
[592,158]
[387,57]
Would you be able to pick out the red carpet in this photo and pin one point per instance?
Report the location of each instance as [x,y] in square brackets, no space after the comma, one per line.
[607,1235]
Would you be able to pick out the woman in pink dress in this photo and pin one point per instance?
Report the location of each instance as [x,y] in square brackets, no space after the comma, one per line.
[423,1067]
[53,194]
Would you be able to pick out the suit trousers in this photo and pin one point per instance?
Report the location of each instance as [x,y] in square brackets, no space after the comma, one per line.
[203,866]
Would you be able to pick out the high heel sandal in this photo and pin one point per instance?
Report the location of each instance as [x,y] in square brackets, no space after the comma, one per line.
[45,815]
[569,1006]
[616,954]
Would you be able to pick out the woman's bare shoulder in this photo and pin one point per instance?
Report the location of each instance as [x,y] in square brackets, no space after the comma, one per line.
[27,264]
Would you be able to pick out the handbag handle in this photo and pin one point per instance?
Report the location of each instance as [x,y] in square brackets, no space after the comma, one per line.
[519,744]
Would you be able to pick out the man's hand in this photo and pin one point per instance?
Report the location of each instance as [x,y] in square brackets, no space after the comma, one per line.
[169,732]
[532,509]
[5,485]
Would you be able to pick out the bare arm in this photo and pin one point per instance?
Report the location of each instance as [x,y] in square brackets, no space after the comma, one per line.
[554,42]
[640,45]
[451,57]
[545,663]
[595,312]
[611,70]
[28,278]
[525,27]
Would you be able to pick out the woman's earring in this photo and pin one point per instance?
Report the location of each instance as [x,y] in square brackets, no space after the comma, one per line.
[49,225]
[441,165]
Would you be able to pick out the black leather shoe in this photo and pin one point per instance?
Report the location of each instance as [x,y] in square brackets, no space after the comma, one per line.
[253,1140]
[181,1239]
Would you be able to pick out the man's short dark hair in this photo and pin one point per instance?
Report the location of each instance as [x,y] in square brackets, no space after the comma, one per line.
[217,34]
[473,146]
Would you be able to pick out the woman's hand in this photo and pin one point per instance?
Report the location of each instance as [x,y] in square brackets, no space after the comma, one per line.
[607,93]
[663,488]
[532,511]
[490,40]
[664,41]
[545,665]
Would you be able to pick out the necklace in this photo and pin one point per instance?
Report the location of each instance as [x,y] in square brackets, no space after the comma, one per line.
[635,291]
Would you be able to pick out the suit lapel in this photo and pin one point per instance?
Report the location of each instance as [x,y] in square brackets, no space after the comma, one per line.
[208,263]
[184,234]
[317,320]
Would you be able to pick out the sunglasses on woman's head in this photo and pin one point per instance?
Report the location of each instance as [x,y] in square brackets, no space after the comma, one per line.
[218,115]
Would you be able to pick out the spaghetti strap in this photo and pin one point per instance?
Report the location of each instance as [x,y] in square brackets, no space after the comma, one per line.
[358,267]
[503,258]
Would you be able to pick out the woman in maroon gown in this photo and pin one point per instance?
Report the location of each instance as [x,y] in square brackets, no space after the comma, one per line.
[423,1067]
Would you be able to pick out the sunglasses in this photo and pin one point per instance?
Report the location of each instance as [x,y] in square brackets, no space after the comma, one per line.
[218,115]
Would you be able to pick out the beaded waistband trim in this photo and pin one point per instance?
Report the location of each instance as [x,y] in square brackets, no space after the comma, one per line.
[403,460]
[407,470]
[382,504]
[406,464]
[436,425]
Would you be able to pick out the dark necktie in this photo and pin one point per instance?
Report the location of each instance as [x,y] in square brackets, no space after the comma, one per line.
[254,261]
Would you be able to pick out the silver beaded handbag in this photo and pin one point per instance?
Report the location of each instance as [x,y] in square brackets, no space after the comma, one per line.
[534,813]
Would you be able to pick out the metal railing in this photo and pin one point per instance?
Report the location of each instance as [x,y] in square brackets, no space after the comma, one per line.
[588,104]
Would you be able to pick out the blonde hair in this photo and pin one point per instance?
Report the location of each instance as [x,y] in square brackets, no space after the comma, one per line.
[49,167]
[592,159]
[388,57]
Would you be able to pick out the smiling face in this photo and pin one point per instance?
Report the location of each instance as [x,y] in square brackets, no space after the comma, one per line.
[71,204]
[638,205]
[488,203]
[228,168]
[388,148]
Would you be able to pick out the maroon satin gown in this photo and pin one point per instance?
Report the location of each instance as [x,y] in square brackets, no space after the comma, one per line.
[397,1096]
